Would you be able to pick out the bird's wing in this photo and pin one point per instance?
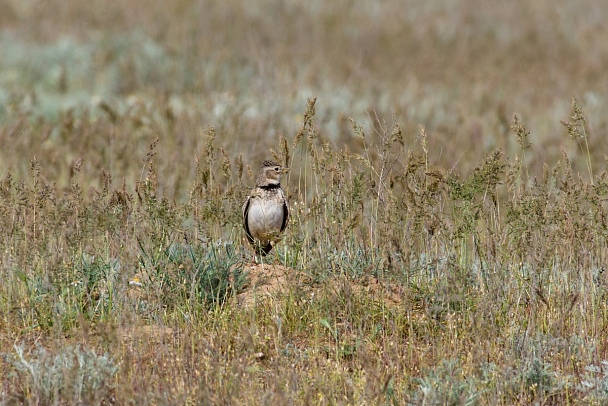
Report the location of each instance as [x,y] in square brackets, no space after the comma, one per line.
[285,212]
[245,219]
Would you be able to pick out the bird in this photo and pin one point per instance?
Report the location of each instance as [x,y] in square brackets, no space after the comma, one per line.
[266,209]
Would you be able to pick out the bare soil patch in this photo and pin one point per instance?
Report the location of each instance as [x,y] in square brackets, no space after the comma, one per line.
[266,281]
[270,281]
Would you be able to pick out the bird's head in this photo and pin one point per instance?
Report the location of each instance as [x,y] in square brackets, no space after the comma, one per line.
[270,173]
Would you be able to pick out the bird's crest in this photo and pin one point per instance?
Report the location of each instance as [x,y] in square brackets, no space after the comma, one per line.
[268,164]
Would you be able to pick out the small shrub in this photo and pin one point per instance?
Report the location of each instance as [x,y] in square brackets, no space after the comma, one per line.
[75,375]
[445,384]
[594,383]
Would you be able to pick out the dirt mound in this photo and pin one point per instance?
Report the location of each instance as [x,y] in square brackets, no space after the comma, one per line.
[270,281]
[266,281]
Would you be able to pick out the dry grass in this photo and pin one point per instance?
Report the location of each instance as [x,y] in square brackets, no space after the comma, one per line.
[447,240]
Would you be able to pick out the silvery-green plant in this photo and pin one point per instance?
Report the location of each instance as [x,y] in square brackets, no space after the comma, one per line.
[446,384]
[594,383]
[73,375]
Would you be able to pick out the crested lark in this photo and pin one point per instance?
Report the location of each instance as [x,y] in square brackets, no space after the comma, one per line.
[266,209]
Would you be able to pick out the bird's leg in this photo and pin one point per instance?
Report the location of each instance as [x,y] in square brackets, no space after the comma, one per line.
[254,259]
[257,251]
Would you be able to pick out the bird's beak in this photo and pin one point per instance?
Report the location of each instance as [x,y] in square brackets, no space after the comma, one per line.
[285,170]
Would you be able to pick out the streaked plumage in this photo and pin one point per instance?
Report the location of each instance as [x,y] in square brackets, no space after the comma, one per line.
[266,210]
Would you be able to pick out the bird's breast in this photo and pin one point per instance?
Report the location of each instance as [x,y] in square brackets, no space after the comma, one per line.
[265,218]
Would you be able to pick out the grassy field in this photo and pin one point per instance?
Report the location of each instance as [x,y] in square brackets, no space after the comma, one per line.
[448,237]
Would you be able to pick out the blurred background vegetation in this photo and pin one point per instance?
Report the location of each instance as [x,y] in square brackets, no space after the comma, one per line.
[170,69]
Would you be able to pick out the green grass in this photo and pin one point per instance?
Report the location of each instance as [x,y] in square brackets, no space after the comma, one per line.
[447,237]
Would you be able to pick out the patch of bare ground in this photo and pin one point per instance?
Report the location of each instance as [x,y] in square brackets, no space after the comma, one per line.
[390,295]
[146,333]
[270,281]
[267,281]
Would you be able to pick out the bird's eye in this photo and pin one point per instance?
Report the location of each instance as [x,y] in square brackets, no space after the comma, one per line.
[276,168]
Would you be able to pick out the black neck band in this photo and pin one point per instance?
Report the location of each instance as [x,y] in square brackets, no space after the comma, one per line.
[270,187]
